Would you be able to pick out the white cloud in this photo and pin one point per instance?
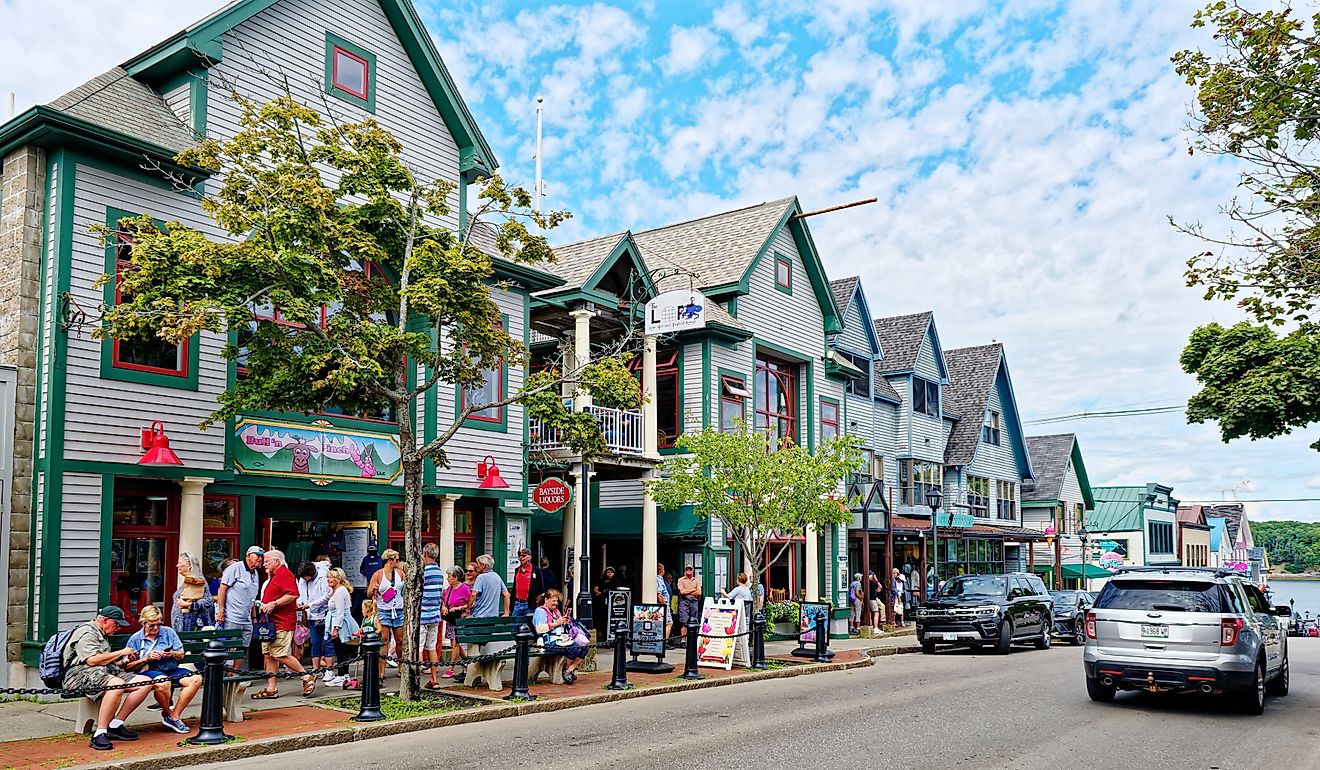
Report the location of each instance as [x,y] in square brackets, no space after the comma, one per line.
[690,49]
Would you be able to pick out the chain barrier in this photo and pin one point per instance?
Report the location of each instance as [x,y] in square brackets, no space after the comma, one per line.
[254,673]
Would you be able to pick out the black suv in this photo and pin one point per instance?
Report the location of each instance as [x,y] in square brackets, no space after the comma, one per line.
[977,610]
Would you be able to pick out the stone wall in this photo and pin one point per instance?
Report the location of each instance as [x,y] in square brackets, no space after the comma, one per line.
[23,191]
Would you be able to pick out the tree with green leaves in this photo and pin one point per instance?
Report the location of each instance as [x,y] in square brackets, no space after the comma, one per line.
[761,490]
[347,290]
[1258,102]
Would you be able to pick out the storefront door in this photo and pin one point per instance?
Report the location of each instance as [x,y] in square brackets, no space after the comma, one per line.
[144,547]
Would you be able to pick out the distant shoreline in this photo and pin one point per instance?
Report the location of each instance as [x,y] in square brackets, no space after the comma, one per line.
[1294,576]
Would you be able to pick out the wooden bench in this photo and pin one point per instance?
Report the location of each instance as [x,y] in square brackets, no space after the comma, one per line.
[489,636]
[194,644]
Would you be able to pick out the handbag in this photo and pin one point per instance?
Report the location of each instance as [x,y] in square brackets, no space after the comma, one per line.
[264,629]
[580,636]
[301,635]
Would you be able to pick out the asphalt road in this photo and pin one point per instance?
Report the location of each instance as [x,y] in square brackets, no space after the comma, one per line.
[956,709]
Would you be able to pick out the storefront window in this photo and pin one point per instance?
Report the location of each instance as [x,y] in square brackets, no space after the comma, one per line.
[220,531]
[143,548]
[141,510]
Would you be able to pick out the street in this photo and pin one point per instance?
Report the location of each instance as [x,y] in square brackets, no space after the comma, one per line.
[1026,710]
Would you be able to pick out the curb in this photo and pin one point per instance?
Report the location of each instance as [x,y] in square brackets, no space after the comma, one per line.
[354,733]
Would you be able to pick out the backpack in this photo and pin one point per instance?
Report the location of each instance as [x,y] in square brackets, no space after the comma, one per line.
[50,666]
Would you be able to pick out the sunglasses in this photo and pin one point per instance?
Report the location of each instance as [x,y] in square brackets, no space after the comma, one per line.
[151,625]
[470,571]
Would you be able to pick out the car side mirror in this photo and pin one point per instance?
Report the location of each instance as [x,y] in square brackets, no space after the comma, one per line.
[1283,611]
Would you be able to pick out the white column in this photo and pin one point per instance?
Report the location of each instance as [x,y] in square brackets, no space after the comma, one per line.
[650,410]
[650,543]
[579,503]
[813,564]
[447,555]
[651,448]
[190,515]
[581,352]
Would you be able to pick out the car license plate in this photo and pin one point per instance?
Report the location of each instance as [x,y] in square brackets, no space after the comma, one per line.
[950,637]
[1155,632]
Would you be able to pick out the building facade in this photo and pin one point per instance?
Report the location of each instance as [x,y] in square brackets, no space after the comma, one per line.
[1056,503]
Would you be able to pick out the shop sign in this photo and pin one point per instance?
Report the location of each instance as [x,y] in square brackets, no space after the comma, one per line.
[551,495]
[725,618]
[648,629]
[317,451]
[618,607]
[675,311]
[807,620]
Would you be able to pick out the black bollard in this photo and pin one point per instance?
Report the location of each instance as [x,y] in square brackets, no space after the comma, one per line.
[211,729]
[823,652]
[619,679]
[369,711]
[522,661]
[758,641]
[690,664]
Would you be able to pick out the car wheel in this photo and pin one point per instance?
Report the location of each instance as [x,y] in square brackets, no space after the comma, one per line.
[1252,700]
[1098,692]
[927,648]
[1005,639]
[1043,643]
[1279,684]
[1079,635]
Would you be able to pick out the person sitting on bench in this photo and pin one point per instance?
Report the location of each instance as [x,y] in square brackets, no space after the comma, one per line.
[91,666]
[159,651]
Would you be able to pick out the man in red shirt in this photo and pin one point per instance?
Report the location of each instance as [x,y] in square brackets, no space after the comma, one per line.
[280,602]
[527,584]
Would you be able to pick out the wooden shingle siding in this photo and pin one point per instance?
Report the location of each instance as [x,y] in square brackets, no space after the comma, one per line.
[289,37]
[103,417]
[80,549]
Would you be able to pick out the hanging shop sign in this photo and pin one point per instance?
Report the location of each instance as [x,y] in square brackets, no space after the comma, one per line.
[648,629]
[676,311]
[552,495]
[318,451]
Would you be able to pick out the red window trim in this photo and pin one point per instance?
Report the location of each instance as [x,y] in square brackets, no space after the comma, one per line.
[499,388]
[834,422]
[116,362]
[666,365]
[789,263]
[364,94]
[788,373]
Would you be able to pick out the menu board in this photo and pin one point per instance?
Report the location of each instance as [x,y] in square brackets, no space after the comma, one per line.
[807,620]
[724,618]
[617,604]
[356,540]
[648,629]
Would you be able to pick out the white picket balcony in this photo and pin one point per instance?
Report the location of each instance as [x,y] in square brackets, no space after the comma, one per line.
[622,429]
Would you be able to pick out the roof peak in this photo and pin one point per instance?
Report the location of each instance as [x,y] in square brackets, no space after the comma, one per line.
[727,212]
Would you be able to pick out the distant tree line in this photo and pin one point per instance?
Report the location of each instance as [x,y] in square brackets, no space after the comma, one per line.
[1295,544]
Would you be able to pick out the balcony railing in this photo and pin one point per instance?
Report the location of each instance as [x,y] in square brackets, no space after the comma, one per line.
[622,429]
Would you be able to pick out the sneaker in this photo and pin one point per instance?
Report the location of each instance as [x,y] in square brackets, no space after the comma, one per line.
[121,733]
[175,724]
[153,707]
[391,664]
[329,678]
[102,742]
[449,674]
[336,681]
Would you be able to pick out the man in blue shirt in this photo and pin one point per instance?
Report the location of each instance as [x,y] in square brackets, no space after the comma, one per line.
[488,590]
[159,651]
[433,586]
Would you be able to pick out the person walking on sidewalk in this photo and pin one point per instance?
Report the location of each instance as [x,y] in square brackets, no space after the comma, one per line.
[433,586]
[875,601]
[455,603]
[689,601]
[898,586]
[90,665]
[855,603]
[386,588]
[664,596]
[314,601]
[194,607]
[238,594]
[159,651]
[280,603]
[340,626]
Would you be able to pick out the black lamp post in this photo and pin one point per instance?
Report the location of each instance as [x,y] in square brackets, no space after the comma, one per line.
[934,498]
[1086,554]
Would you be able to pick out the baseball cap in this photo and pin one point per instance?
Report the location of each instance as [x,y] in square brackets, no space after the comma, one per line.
[524,552]
[255,549]
[115,614]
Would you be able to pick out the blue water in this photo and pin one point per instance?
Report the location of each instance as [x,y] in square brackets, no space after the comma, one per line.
[1306,592]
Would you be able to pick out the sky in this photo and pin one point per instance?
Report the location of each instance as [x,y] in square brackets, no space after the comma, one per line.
[1026,157]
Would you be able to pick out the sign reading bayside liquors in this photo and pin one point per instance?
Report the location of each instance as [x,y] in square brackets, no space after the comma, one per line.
[675,311]
[551,495]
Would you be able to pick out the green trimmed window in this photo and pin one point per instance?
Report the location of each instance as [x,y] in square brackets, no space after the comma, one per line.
[783,274]
[829,419]
[733,403]
[350,72]
[493,387]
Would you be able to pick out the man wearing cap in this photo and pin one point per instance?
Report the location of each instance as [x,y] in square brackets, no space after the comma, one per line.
[238,594]
[90,665]
[526,583]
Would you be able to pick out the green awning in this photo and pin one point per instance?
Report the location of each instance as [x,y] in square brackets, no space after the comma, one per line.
[1043,569]
[627,522]
[1092,571]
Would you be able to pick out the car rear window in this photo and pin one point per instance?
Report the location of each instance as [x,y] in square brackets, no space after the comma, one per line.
[1166,595]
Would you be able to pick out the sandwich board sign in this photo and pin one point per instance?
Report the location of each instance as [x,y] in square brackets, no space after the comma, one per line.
[675,311]
[724,618]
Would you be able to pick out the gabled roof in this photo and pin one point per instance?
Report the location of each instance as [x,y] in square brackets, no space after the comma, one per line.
[843,289]
[1232,515]
[717,253]
[576,262]
[900,338]
[973,374]
[1118,509]
[1050,458]
[118,102]
[849,290]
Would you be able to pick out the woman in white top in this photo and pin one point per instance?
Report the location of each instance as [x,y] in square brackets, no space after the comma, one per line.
[386,588]
[742,592]
[339,622]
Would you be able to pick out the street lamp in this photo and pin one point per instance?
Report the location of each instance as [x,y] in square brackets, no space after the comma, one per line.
[934,498]
[1086,555]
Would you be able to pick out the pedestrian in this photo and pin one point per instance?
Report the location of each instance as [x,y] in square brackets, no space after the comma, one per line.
[433,586]
[90,666]
[874,601]
[663,595]
[556,630]
[340,627]
[855,603]
[159,651]
[386,588]
[279,601]
[470,575]
[600,596]
[314,602]
[371,563]
[489,596]
[899,585]
[742,592]
[238,594]
[549,578]
[689,601]
[193,605]
[527,584]
[455,603]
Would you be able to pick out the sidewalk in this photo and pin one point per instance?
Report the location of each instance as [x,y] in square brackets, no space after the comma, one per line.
[37,735]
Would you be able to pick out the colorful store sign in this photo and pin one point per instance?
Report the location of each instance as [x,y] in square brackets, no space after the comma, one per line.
[807,620]
[317,451]
[551,495]
[648,629]
[724,619]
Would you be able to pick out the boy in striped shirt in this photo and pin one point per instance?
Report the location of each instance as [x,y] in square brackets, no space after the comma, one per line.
[433,584]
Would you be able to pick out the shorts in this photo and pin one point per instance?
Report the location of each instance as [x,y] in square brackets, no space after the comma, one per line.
[689,610]
[247,631]
[391,618]
[89,679]
[282,647]
[174,676]
[430,635]
[519,608]
[572,653]
[856,611]
[321,647]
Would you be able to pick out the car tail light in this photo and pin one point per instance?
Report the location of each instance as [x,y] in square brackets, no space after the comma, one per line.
[1229,628]
[1090,625]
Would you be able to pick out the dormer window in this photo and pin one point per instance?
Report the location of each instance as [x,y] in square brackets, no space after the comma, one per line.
[350,72]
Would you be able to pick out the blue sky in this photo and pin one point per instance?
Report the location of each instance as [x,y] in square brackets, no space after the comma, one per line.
[1026,157]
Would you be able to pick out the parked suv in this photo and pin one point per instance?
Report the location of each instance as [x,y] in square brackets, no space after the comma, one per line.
[1185,630]
[980,610]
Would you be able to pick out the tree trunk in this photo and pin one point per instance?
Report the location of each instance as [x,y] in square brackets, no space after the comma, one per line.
[410,676]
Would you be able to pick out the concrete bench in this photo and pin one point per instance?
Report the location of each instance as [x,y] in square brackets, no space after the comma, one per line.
[494,636]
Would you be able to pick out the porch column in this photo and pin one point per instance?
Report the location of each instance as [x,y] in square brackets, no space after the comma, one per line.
[813,564]
[580,541]
[190,515]
[650,448]
[447,530]
[581,353]
[650,415]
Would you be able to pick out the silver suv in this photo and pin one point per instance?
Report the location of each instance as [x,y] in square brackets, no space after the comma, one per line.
[1179,629]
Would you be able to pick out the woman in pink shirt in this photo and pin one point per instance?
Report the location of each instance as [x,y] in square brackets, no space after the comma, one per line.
[453,604]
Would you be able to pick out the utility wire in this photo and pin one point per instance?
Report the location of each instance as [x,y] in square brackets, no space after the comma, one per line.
[1091,415]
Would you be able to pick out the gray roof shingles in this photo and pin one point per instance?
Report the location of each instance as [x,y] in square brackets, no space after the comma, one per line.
[900,339]
[1050,456]
[576,262]
[118,102]
[972,373]
[718,248]
[843,290]
[885,389]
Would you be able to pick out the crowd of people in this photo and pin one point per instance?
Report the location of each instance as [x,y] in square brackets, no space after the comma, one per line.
[878,602]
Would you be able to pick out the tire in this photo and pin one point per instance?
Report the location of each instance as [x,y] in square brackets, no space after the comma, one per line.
[1043,643]
[1279,684]
[927,648]
[1252,700]
[1098,692]
[1005,639]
